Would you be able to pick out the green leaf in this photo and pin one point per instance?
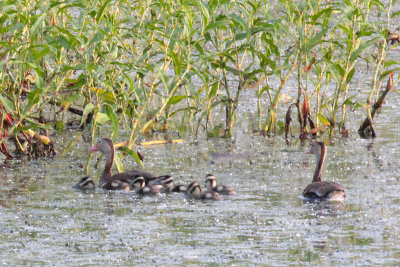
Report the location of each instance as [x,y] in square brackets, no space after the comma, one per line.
[99,36]
[7,104]
[36,25]
[114,120]
[322,119]
[33,99]
[88,109]
[387,72]
[216,25]
[101,11]
[101,118]
[118,163]
[389,63]
[239,21]
[133,154]
[64,42]
[350,75]
[39,81]
[354,55]
[176,99]
[315,41]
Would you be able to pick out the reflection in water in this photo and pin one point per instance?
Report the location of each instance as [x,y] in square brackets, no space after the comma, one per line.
[376,159]
[10,188]
[325,208]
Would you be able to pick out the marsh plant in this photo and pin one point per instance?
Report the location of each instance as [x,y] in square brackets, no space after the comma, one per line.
[146,66]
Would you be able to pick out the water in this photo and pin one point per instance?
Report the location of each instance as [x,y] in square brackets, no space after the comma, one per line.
[45,222]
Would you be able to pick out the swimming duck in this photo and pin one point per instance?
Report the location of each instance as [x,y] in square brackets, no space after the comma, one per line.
[85,183]
[165,180]
[115,185]
[319,190]
[194,191]
[106,146]
[211,185]
[142,189]
[180,188]
[167,183]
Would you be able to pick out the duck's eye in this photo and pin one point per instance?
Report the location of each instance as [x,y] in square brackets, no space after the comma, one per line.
[99,141]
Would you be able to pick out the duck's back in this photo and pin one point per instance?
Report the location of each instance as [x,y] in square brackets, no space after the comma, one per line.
[129,176]
[324,190]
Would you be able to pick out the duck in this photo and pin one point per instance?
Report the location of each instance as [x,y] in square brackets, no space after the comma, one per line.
[211,185]
[194,191]
[179,188]
[85,183]
[115,185]
[148,190]
[106,147]
[165,180]
[319,190]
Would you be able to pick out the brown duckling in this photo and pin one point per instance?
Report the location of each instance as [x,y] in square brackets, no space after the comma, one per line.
[85,183]
[211,185]
[180,188]
[319,190]
[148,190]
[106,146]
[115,185]
[166,181]
[194,191]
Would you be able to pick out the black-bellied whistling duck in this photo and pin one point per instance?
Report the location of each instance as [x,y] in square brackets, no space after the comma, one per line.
[211,185]
[142,189]
[106,146]
[319,190]
[194,191]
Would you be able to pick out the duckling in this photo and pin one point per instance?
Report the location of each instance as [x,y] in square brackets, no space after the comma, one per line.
[180,188]
[85,183]
[166,181]
[211,185]
[143,189]
[115,185]
[194,191]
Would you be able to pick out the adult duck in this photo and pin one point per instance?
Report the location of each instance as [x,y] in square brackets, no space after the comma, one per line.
[211,185]
[106,146]
[319,190]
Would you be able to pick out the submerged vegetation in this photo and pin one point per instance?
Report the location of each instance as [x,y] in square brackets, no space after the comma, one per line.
[147,66]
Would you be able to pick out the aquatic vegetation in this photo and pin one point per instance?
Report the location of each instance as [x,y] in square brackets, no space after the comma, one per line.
[149,67]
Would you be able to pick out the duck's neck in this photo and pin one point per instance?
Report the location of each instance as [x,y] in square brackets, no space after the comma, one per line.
[106,175]
[320,162]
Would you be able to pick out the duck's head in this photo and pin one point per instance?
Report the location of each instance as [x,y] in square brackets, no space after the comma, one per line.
[167,181]
[85,183]
[104,145]
[139,182]
[318,149]
[210,181]
[194,189]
